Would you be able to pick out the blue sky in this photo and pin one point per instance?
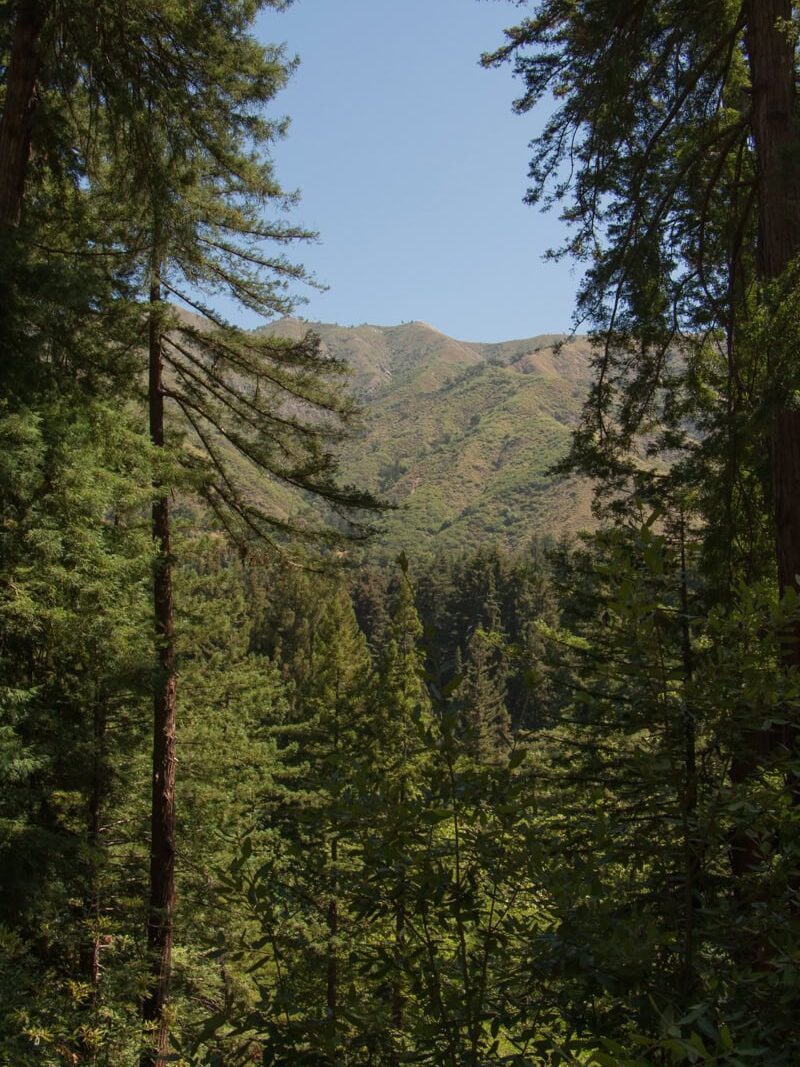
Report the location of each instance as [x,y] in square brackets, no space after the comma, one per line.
[412,168]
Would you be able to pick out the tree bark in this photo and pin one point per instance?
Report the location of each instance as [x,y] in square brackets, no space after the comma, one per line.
[774,125]
[690,792]
[162,845]
[16,124]
[786,479]
[776,136]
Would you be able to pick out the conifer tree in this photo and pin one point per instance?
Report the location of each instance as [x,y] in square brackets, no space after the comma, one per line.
[403,710]
[481,697]
[196,186]
[682,127]
[162,116]
[233,698]
[75,668]
[304,896]
[682,213]
[643,811]
[18,106]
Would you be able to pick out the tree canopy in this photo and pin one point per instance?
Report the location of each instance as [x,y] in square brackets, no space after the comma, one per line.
[267,798]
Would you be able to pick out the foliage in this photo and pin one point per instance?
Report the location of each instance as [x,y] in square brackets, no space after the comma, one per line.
[75,562]
[525,802]
[461,436]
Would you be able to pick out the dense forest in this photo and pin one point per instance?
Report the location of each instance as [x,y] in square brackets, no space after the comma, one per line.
[272,794]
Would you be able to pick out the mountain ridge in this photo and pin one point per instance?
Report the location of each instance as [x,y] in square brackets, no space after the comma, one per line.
[462,435]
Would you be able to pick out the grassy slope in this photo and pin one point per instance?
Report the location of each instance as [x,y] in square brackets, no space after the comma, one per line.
[461,435]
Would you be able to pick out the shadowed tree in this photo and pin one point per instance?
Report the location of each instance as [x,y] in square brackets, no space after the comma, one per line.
[674,149]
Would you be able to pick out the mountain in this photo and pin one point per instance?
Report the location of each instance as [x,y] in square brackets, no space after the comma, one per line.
[460,434]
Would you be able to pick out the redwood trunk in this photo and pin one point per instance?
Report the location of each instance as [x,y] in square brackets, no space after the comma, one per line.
[776,137]
[786,479]
[162,844]
[775,132]
[16,124]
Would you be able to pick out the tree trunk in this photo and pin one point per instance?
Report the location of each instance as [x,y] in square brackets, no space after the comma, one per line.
[17,120]
[776,136]
[786,479]
[162,844]
[332,983]
[398,1000]
[770,51]
[689,799]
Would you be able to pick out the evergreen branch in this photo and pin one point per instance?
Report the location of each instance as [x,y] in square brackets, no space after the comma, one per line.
[306,429]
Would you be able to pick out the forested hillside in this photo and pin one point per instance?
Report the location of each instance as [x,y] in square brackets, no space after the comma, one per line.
[462,436]
[473,789]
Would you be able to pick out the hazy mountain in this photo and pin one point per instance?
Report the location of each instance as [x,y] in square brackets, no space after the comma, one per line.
[462,434]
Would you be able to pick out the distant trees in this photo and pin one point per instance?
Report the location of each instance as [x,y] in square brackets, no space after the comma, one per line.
[386,902]
[522,809]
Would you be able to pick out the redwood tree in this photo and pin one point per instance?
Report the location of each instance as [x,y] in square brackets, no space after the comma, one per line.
[18,107]
[163,108]
[673,147]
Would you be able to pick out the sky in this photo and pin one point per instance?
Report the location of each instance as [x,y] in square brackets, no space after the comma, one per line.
[412,168]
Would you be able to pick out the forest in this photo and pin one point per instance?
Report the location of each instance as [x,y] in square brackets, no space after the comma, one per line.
[272,794]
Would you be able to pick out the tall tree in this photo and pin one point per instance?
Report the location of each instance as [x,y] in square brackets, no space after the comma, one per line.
[649,151]
[253,407]
[403,711]
[18,107]
[74,559]
[162,110]
[679,131]
[303,898]
[481,697]
[774,123]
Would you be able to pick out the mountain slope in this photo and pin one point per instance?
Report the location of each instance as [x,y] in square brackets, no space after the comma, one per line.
[460,434]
